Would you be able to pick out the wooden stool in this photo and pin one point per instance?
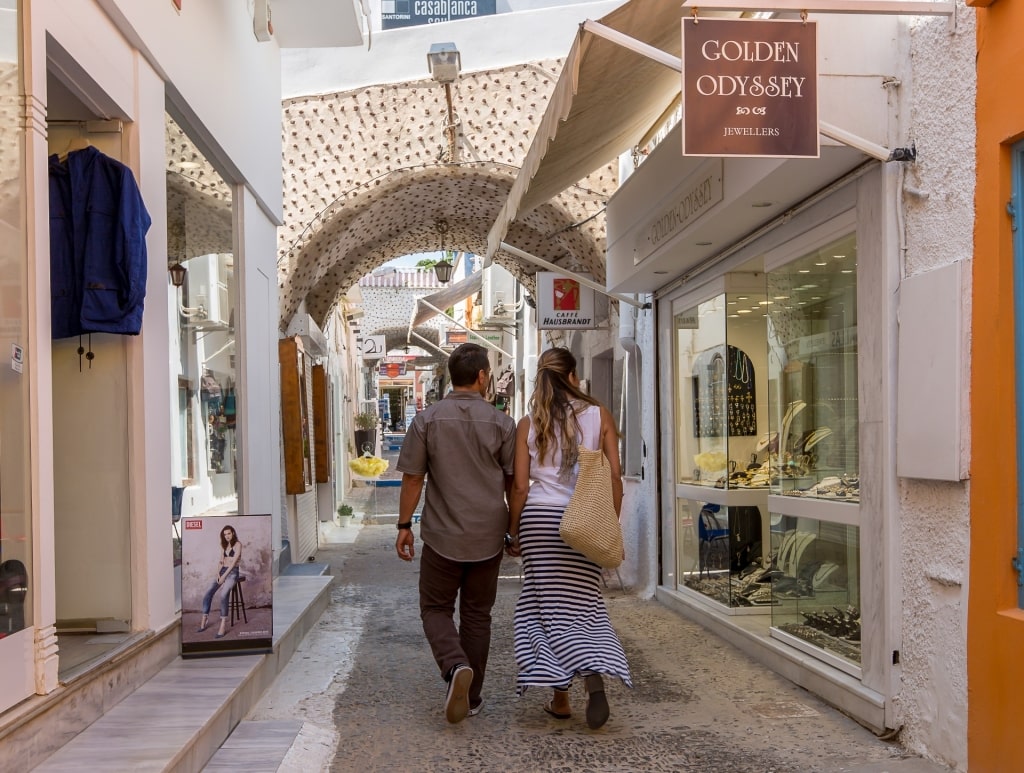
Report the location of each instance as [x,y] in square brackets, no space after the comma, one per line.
[236,602]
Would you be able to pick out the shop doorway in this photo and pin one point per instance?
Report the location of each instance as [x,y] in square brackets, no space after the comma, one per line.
[90,423]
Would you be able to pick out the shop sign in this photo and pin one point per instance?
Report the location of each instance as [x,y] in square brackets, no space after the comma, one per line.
[227,582]
[750,88]
[392,369]
[496,337]
[562,302]
[455,337]
[411,13]
[688,202]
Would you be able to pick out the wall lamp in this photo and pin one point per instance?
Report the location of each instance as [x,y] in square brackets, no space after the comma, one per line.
[443,268]
[177,272]
[445,63]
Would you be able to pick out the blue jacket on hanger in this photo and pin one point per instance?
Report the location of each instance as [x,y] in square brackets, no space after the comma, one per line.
[98,261]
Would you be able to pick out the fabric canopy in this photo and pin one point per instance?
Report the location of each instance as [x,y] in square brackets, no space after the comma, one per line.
[449,296]
[607,97]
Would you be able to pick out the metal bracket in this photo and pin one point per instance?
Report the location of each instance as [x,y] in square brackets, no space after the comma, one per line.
[1018,564]
[904,154]
[1011,210]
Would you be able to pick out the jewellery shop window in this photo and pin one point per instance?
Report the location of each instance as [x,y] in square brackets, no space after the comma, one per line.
[721,550]
[721,443]
[812,360]
[721,402]
[813,453]
[815,588]
[202,283]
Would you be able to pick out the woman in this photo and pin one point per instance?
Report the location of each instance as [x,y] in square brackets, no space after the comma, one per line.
[562,629]
[226,579]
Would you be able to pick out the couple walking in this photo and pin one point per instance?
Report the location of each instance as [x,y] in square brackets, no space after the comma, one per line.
[480,497]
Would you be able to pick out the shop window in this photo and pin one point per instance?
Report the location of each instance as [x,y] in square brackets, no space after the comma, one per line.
[1016,202]
[16,547]
[814,451]
[186,423]
[812,371]
[200,241]
[722,452]
[630,419]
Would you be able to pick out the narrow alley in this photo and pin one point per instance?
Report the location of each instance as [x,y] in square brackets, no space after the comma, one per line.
[365,673]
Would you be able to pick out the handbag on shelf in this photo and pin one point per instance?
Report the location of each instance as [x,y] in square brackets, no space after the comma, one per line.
[589,523]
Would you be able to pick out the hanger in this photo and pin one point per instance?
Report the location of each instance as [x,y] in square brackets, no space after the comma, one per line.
[77,143]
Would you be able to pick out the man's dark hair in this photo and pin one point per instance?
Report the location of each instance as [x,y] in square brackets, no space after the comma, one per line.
[465,364]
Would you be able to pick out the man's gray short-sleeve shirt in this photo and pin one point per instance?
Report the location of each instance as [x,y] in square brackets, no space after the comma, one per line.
[465,447]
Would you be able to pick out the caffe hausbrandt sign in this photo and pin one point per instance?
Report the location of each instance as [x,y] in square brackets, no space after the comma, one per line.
[750,88]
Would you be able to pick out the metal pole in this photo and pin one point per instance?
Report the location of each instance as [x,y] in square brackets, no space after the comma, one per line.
[585,281]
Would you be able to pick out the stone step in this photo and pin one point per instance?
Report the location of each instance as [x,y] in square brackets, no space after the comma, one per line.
[178,719]
[255,747]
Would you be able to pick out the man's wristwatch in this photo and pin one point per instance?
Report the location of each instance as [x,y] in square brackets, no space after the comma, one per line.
[406,525]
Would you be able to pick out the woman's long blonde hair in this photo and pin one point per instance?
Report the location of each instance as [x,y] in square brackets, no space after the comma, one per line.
[553,408]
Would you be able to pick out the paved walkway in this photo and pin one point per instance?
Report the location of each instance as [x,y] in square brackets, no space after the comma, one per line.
[365,687]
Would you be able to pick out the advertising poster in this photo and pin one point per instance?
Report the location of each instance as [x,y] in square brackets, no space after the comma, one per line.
[226,585]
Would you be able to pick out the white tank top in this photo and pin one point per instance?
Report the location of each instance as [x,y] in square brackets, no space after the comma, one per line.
[547,488]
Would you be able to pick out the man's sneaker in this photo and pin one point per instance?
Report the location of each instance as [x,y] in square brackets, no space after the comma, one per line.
[456,702]
[474,710]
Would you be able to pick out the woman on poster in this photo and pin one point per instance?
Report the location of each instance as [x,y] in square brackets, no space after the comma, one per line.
[226,579]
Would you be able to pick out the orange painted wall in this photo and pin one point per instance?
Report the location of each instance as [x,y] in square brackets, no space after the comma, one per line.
[995,638]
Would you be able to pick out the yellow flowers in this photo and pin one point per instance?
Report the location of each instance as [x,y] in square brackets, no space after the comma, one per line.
[368,466]
[711,461]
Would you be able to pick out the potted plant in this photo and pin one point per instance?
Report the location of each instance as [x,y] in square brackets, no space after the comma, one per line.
[344,515]
[366,432]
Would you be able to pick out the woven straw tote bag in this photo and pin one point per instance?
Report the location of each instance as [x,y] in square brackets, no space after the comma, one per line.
[589,523]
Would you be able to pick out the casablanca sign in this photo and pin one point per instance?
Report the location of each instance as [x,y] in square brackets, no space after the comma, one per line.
[395,14]
[750,88]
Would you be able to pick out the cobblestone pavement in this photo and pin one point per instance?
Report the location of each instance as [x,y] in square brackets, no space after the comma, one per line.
[371,697]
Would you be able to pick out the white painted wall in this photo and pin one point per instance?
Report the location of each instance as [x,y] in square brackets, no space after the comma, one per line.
[401,55]
[226,80]
[937,107]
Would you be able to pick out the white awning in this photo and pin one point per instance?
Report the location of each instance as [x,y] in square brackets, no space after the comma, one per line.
[449,296]
[607,97]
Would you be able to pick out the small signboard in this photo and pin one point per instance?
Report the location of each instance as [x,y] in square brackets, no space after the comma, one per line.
[373,347]
[562,302]
[227,585]
[750,88]
[455,337]
[411,13]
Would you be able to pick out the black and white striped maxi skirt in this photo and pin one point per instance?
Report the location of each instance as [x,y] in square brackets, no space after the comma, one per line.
[562,629]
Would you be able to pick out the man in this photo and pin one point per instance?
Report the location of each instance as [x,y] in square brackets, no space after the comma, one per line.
[465,446]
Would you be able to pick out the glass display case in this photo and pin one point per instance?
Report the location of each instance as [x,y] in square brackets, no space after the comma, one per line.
[815,588]
[720,546]
[812,374]
[721,403]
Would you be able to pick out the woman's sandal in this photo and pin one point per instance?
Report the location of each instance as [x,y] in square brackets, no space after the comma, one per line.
[549,707]
[597,703]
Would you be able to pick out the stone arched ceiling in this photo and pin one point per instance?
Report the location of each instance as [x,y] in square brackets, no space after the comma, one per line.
[368,173]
